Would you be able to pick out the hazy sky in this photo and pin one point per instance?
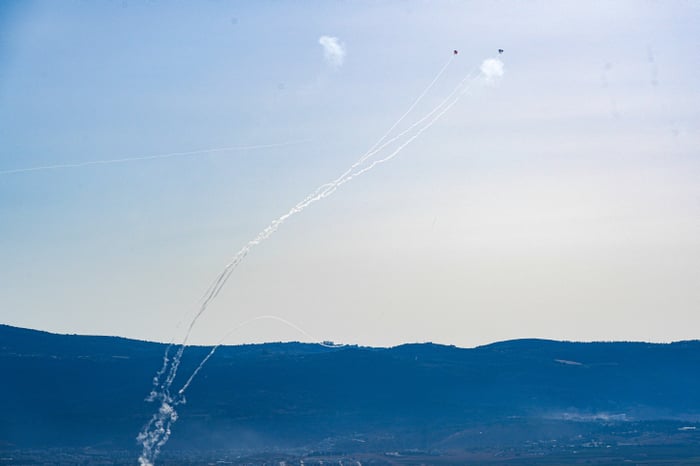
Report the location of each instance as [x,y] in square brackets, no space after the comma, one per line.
[562,202]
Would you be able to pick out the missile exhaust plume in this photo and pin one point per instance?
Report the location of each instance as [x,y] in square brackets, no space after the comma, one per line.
[157,432]
[323,190]
[318,194]
[447,107]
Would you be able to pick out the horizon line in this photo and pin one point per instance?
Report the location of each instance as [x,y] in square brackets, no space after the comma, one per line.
[354,345]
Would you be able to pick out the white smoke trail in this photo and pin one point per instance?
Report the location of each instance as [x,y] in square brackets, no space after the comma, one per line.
[181,392]
[158,430]
[150,157]
[154,438]
[376,147]
[318,194]
[156,378]
[221,279]
[447,106]
[321,192]
[156,433]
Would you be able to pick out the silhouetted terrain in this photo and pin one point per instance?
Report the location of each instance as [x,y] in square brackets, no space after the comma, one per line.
[62,392]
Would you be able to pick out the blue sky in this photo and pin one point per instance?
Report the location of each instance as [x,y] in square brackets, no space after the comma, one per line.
[562,202]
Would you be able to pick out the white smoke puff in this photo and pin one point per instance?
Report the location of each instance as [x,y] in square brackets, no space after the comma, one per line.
[333,50]
[492,69]
[168,411]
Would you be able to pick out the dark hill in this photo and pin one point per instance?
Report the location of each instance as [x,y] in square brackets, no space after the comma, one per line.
[75,391]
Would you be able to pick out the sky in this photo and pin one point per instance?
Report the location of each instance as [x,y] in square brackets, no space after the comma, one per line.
[560,201]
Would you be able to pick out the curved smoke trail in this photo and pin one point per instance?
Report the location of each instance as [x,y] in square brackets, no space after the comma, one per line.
[157,432]
[219,281]
[186,385]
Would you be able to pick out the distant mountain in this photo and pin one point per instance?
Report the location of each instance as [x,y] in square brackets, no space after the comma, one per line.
[80,391]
